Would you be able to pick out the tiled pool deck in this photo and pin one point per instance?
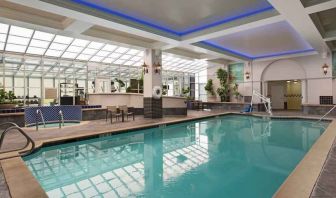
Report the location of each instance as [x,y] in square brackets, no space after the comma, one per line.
[18,176]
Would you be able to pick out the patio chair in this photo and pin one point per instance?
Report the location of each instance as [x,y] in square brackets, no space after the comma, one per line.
[113,112]
[126,112]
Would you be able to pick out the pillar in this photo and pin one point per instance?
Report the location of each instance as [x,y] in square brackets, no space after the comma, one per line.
[152,78]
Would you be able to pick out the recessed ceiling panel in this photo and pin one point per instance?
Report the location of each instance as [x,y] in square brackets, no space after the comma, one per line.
[179,16]
[267,41]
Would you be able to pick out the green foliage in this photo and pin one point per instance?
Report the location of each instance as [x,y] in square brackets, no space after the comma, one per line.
[235,91]
[209,87]
[186,91]
[6,97]
[128,90]
[120,82]
[223,90]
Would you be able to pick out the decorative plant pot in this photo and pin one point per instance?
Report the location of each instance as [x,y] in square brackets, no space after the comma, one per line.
[7,106]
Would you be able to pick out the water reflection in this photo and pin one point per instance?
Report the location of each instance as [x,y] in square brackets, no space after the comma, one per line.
[235,156]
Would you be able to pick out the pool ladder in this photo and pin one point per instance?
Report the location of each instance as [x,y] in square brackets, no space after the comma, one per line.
[39,112]
[14,127]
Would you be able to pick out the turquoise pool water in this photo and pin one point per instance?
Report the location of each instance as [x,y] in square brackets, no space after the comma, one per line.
[230,156]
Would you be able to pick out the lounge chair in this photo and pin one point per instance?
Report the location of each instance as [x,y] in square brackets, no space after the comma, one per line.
[126,112]
[247,109]
[113,112]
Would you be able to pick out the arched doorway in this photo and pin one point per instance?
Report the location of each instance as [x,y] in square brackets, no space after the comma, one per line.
[284,81]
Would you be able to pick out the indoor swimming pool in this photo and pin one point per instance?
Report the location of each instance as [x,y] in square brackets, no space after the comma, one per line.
[226,156]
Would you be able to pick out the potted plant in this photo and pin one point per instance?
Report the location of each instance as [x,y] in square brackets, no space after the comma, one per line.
[121,84]
[209,89]
[7,99]
[185,91]
[236,93]
[223,90]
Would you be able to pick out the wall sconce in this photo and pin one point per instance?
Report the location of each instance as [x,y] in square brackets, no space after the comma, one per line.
[145,68]
[247,75]
[325,69]
[157,68]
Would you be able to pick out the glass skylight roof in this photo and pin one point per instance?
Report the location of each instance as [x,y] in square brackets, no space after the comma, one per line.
[50,46]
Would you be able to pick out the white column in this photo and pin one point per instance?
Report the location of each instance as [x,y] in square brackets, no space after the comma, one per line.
[152,78]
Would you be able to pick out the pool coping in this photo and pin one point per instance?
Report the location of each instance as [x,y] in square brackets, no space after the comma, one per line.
[299,183]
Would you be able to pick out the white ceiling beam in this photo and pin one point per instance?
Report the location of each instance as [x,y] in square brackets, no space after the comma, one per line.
[294,12]
[321,7]
[77,27]
[330,36]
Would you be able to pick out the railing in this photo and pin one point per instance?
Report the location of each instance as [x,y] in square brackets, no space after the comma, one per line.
[61,119]
[265,100]
[13,127]
[39,112]
[326,114]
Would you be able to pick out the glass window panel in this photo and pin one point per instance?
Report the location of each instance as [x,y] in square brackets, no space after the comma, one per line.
[63,39]
[3,28]
[3,37]
[43,36]
[9,82]
[80,42]
[69,55]
[109,48]
[136,58]
[57,46]
[18,82]
[19,92]
[122,50]
[49,83]
[19,31]
[133,52]
[34,82]
[95,45]
[2,46]
[89,51]
[83,57]
[103,53]
[129,63]
[125,57]
[119,61]
[115,55]
[97,59]
[55,53]
[34,92]
[35,50]
[38,43]
[108,60]
[18,40]
[75,49]
[15,48]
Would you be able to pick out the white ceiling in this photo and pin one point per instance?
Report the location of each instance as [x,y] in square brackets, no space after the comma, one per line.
[180,15]
[273,39]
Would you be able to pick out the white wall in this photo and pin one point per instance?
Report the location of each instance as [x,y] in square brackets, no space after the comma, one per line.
[305,68]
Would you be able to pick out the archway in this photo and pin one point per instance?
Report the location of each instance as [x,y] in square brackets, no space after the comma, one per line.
[284,81]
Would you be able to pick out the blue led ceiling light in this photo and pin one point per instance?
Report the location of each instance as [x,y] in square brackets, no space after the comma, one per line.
[169,30]
[247,56]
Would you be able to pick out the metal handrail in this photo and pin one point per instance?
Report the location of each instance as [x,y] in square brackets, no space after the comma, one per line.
[28,138]
[39,112]
[327,113]
[8,123]
[61,119]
